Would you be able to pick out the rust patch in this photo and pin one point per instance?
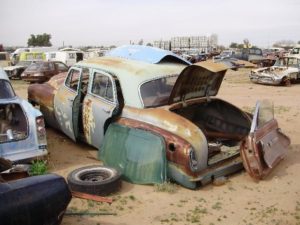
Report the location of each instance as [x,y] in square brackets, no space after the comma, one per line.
[88,120]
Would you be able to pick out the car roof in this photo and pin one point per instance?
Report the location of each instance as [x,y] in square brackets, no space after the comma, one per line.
[145,54]
[132,73]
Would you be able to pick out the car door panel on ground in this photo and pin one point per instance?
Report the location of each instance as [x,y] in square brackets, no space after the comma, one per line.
[265,145]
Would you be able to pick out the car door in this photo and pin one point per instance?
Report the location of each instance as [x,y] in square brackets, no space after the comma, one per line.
[265,145]
[67,103]
[100,104]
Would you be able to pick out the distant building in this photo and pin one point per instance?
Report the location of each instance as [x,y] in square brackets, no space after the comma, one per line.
[195,43]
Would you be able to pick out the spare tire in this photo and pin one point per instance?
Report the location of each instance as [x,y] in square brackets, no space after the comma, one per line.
[96,180]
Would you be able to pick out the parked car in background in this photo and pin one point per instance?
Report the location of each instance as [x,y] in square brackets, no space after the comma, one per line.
[295,51]
[156,117]
[4,59]
[14,72]
[225,54]
[42,71]
[22,129]
[284,72]
[69,57]
[255,56]
[24,60]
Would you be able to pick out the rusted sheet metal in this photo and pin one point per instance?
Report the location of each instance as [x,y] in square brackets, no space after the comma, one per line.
[175,124]
[262,150]
[177,148]
[91,197]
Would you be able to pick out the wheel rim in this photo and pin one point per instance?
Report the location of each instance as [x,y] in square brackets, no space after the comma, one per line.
[94,175]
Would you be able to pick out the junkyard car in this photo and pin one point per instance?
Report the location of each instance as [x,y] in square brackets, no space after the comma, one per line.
[42,71]
[22,130]
[154,116]
[284,72]
[16,70]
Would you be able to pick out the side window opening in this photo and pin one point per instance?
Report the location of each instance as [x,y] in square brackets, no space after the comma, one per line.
[102,86]
[73,79]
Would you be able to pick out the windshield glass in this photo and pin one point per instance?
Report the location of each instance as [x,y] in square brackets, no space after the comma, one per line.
[293,62]
[255,51]
[280,62]
[38,66]
[157,92]
[6,90]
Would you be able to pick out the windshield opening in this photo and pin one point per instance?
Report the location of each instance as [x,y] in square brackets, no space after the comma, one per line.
[157,92]
[6,90]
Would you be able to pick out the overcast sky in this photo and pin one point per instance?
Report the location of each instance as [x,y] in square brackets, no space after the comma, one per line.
[99,22]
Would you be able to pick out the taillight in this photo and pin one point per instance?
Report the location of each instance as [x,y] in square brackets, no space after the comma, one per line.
[41,132]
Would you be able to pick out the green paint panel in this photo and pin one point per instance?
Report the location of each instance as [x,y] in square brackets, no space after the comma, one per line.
[138,154]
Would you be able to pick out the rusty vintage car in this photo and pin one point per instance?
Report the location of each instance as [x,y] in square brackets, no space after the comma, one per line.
[284,72]
[22,128]
[43,70]
[154,117]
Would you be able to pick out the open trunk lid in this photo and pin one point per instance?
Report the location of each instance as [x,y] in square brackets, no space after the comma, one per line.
[198,80]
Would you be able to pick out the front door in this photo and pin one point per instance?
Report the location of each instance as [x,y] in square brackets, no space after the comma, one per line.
[99,106]
[265,145]
[67,103]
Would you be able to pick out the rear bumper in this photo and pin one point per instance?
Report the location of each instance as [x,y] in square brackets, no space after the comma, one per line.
[26,156]
[207,176]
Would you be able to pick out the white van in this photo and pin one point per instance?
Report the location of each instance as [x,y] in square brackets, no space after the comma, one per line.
[67,57]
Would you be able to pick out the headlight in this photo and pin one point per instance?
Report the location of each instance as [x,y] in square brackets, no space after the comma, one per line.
[193,160]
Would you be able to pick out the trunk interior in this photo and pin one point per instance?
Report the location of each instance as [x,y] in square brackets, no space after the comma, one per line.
[13,123]
[223,124]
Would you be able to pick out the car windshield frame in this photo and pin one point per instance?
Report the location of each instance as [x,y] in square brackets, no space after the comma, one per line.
[6,90]
[156,92]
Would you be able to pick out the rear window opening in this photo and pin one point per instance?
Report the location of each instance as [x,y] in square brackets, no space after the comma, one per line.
[13,123]
[156,92]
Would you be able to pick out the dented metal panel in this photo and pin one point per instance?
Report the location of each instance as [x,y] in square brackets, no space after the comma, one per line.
[198,80]
[265,145]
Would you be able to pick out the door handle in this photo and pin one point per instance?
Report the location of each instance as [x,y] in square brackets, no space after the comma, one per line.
[106,110]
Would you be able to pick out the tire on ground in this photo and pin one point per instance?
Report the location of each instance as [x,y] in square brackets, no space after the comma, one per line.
[96,180]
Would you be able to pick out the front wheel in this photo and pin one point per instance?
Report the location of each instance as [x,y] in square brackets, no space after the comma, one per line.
[96,180]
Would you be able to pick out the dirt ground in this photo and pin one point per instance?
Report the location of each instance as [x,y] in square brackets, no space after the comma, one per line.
[241,200]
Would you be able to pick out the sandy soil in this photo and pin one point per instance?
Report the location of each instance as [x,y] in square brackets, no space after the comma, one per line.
[241,200]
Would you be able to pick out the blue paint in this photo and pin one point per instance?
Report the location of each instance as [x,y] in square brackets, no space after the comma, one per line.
[145,54]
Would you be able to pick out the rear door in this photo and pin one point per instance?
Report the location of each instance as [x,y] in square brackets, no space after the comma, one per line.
[265,145]
[99,106]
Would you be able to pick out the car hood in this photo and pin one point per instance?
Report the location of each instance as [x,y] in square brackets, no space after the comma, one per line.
[198,80]
[11,68]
